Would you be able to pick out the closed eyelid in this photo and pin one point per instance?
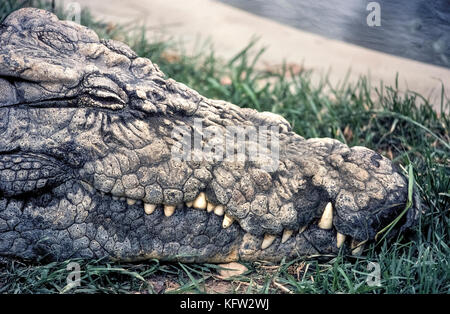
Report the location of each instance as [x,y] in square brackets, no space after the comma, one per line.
[104,87]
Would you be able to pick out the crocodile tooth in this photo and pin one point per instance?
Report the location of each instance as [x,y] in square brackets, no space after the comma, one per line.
[340,239]
[210,207]
[302,229]
[131,201]
[286,235]
[189,204]
[227,221]
[326,221]
[268,240]
[116,198]
[149,208]
[355,243]
[358,250]
[219,211]
[357,247]
[169,210]
[200,201]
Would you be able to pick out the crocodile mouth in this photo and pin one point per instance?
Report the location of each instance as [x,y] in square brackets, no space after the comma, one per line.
[320,229]
[95,175]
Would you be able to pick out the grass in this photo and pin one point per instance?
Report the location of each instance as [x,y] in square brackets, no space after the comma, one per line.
[403,127]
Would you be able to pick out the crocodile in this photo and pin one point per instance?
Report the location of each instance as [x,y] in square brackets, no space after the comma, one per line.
[103,156]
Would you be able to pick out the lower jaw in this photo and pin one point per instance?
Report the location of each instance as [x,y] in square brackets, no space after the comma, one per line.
[246,248]
[312,242]
[160,231]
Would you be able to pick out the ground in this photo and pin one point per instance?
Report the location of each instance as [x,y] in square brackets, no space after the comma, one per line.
[404,128]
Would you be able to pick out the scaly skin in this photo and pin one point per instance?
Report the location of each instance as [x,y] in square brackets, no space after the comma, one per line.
[85,155]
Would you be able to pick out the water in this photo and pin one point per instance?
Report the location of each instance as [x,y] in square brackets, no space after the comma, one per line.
[415,29]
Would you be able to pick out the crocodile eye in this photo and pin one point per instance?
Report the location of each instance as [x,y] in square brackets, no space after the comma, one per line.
[106,98]
[104,93]
[102,99]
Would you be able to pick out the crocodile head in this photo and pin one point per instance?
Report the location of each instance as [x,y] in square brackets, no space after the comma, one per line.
[102,156]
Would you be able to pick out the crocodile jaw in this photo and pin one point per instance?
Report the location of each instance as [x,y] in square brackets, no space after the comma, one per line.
[86,167]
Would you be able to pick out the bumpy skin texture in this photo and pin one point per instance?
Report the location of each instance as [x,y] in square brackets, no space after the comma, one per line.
[85,142]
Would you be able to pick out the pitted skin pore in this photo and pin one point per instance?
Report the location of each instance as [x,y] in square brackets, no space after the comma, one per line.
[87,134]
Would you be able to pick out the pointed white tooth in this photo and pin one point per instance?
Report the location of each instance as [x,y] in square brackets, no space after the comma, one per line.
[286,235]
[227,221]
[149,208]
[219,210]
[268,240]
[340,239]
[358,250]
[131,201]
[169,210]
[189,204]
[116,198]
[357,247]
[355,243]
[326,221]
[302,229]
[200,201]
[210,207]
